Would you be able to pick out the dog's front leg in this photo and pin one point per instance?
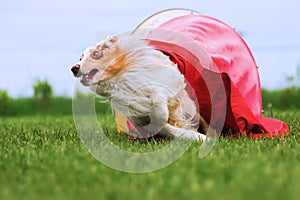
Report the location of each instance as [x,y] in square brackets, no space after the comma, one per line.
[158,113]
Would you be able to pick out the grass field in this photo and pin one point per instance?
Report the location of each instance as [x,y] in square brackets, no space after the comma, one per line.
[42,157]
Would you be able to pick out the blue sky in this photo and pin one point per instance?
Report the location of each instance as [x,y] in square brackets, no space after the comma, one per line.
[42,39]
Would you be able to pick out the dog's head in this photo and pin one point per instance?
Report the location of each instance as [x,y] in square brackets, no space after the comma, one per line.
[99,62]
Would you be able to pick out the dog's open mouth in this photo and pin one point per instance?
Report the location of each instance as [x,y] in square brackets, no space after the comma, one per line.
[86,78]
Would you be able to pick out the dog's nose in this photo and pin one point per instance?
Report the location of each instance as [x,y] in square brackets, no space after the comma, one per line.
[75,69]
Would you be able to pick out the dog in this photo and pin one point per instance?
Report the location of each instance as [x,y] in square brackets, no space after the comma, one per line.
[143,84]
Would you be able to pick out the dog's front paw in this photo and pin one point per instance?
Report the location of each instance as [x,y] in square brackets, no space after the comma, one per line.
[194,135]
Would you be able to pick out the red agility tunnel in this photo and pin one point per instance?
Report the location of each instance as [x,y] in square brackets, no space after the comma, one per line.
[220,69]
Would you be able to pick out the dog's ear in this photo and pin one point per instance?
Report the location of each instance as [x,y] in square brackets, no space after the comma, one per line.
[104,46]
[110,42]
[112,39]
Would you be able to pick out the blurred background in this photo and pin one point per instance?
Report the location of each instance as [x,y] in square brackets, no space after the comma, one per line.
[42,39]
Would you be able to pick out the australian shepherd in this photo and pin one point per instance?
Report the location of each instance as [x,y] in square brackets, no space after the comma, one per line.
[143,84]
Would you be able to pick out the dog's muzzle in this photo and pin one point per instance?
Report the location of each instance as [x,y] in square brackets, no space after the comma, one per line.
[75,70]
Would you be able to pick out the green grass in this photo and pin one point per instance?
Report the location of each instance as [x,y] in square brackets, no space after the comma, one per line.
[42,157]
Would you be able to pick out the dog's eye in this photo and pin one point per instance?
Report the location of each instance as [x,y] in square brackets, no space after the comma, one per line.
[96,55]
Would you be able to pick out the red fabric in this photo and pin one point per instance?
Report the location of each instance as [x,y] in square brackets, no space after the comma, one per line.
[222,73]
